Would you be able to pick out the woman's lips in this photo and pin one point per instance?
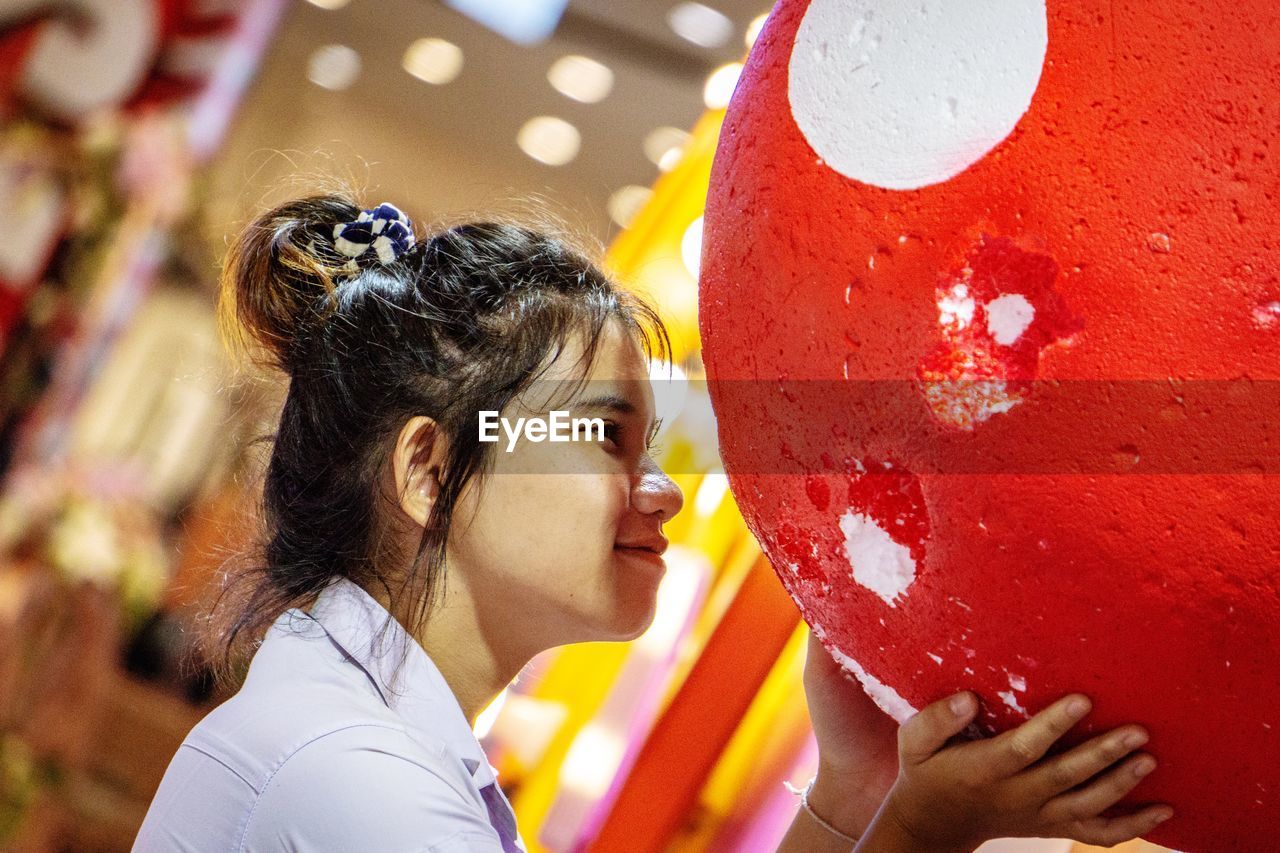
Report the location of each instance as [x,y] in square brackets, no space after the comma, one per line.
[656,544]
[647,554]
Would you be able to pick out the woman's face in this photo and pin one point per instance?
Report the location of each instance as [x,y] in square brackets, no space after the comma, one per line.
[553,540]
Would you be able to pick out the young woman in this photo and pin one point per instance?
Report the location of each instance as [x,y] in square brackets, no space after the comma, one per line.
[411,570]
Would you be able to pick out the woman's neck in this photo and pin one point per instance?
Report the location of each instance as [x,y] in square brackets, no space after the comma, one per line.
[475,665]
[477,653]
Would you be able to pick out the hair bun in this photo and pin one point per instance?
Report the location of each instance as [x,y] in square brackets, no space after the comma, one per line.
[282,264]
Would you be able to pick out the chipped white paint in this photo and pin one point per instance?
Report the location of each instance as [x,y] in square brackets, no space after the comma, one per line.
[1010,699]
[882,694]
[1017,684]
[1008,316]
[904,95]
[794,567]
[966,403]
[934,658]
[879,563]
[956,307]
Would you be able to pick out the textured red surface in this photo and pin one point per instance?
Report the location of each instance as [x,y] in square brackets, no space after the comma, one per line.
[1134,207]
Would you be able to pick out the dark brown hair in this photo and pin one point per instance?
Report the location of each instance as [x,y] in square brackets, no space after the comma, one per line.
[460,323]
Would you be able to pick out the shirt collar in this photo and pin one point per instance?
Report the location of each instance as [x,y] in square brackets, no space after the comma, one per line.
[355,621]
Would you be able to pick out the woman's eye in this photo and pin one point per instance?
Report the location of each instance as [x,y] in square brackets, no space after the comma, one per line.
[613,431]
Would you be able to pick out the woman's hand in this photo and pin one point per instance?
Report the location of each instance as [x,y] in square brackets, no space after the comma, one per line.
[857,744]
[954,797]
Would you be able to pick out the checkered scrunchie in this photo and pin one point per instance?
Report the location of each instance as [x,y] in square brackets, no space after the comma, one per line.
[385,230]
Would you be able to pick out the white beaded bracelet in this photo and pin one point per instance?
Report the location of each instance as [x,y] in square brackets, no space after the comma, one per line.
[804,803]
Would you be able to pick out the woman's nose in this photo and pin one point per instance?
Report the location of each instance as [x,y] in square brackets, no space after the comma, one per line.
[657,492]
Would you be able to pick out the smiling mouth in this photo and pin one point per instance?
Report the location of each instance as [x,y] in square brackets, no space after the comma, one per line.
[647,554]
[653,545]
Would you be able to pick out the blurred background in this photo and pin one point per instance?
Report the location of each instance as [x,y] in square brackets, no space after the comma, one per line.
[135,137]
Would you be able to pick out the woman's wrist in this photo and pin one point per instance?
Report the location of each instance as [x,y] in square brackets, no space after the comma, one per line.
[850,798]
[892,831]
[843,802]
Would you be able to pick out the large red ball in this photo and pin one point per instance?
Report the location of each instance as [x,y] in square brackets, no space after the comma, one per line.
[991,315]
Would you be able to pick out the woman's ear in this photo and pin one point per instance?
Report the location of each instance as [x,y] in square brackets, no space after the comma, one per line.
[417,460]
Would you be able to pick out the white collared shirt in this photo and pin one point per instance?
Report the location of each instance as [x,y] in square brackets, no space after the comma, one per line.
[321,751]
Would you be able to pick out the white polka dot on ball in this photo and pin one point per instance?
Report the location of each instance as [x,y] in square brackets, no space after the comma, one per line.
[906,94]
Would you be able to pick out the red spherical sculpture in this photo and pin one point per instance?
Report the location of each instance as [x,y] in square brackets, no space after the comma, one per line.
[991,313]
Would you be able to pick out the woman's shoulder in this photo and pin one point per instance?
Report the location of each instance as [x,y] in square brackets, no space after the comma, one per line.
[308,750]
[299,692]
[363,785]
[368,787]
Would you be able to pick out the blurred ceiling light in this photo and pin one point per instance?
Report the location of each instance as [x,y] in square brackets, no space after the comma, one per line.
[664,145]
[691,247]
[523,21]
[720,85]
[581,78]
[329,4]
[433,60]
[754,28]
[549,140]
[702,25]
[670,159]
[334,66]
[626,202]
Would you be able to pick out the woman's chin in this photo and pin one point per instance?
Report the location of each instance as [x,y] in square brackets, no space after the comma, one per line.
[631,620]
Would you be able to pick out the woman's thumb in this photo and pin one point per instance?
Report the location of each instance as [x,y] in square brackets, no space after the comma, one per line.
[928,731]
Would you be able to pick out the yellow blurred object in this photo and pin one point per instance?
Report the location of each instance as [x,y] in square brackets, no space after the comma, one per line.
[770,735]
[647,256]
[579,678]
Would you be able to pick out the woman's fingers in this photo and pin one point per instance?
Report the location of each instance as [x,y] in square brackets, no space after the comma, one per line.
[1107,832]
[928,731]
[1019,748]
[1086,803]
[1087,760]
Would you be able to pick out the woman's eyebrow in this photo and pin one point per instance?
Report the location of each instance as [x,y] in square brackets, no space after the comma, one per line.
[610,402]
